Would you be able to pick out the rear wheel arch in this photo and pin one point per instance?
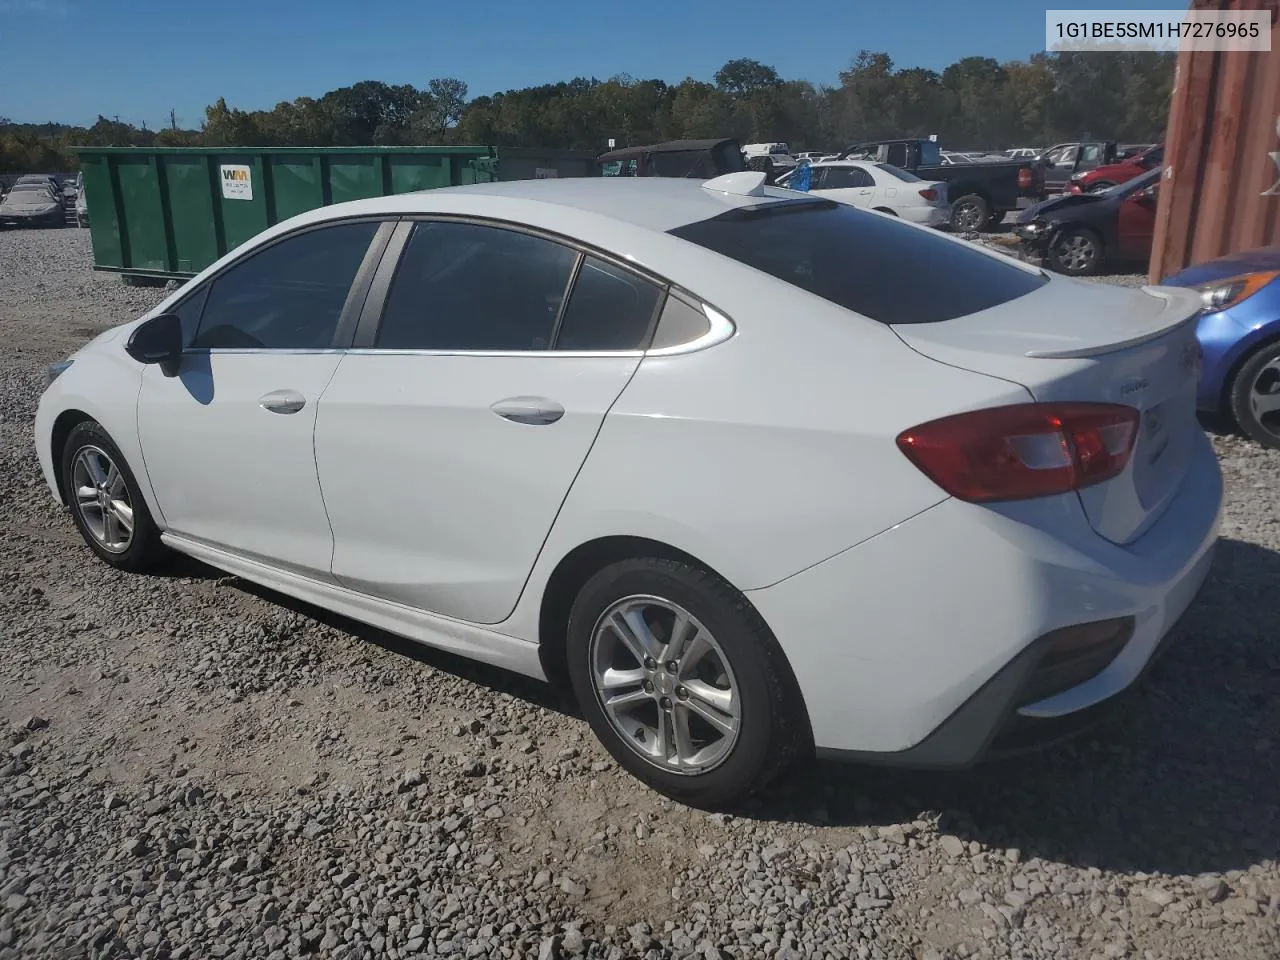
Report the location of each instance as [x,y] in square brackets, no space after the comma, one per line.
[885,210]
[569,576]
[572,573]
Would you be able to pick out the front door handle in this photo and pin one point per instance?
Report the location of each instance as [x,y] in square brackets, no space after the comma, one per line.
[535,411]
[282,401]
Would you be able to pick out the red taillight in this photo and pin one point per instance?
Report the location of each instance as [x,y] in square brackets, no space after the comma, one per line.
[929,194]
[1024,178]
[1024,450]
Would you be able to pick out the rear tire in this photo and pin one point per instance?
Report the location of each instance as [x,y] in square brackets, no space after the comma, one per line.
[1076,252]
[1255,387]
[705,721]
[106,504]
[969,213]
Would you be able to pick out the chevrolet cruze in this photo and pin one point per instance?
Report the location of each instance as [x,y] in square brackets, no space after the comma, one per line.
[756,474]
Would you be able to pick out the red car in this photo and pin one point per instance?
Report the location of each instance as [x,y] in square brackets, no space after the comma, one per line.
[1120,172]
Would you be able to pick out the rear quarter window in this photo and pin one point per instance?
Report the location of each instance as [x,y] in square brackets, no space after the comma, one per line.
[876,266]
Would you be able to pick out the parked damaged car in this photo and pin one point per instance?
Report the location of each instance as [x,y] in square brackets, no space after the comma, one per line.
[1076,234]
[32,204]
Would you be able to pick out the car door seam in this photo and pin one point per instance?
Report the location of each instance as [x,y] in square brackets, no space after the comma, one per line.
[142,448]
[569,490]
[315,460]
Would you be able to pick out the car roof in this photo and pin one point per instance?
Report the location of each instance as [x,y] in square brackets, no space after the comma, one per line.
[654,203]
[670,146]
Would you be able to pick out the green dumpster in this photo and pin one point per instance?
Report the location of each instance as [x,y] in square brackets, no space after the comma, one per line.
[530,163]
[166,213]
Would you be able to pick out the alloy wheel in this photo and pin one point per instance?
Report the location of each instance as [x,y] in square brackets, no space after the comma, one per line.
[1076,252]
[102,499]
[969,217]
[665,685]
[1264,397]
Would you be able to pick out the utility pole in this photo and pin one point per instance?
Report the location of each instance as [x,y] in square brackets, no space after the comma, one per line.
[173,119]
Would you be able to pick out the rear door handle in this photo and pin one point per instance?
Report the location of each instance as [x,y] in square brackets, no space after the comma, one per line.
[282,401]
[535,411]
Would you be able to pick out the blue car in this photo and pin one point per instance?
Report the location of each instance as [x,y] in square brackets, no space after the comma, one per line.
[1240,336]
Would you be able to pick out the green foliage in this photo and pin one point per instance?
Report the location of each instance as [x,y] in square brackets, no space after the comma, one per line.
[976,103]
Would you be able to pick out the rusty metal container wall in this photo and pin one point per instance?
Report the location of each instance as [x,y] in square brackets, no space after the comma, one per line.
[1221,192]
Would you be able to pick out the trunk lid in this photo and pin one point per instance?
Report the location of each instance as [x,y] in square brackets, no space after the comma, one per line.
[1073,340]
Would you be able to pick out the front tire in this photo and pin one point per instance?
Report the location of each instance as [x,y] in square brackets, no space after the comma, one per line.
[1100,186]
[106,504]
[1077,252]
[1255,396]
[682,681]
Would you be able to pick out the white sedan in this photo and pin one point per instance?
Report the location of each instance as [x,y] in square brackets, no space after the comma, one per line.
[756,474]
[882,187]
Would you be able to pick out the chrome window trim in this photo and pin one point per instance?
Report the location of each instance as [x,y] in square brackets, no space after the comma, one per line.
[275,352]
[722,327]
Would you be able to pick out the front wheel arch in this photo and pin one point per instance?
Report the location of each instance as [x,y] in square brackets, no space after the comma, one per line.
[1233,398]
[63,424]
[1229,378]
[1078,228]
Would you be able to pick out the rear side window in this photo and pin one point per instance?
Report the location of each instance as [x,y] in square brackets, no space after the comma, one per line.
[898,172]
[464,286]
[609,309]
[875,266]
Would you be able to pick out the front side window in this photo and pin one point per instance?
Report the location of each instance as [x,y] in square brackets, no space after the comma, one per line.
[466,286]
[287,296]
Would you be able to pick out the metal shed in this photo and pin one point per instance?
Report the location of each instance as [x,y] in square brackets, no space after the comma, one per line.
[1221,192]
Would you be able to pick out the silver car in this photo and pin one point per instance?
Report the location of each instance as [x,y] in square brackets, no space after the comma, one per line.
[32,204]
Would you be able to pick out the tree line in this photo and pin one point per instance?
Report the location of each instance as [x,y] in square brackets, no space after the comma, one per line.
[975,103]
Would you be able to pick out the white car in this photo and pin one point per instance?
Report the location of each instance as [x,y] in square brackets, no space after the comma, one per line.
[760,474]
[882,187]
[779,154]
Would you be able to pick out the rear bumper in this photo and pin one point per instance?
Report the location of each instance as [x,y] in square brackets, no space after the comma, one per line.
[916,648]
[926,216]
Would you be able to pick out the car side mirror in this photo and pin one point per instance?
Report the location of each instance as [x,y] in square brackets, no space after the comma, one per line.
[159,340]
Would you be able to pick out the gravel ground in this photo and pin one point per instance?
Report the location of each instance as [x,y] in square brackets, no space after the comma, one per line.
[199,768]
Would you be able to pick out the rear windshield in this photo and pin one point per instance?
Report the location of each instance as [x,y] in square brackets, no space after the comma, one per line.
[898,172]
[875,266]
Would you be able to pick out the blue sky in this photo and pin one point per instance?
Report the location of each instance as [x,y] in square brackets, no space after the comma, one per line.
[69,60]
